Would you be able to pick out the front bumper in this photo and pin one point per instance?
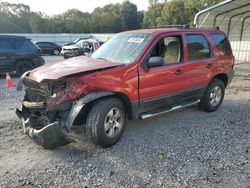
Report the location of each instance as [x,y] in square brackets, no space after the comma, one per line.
[50,132]
[50,136]
[72,53]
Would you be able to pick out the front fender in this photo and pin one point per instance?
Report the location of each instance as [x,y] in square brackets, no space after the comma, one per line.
[80,103]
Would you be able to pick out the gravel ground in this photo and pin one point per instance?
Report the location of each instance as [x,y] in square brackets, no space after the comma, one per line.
[186,148]
[243,69]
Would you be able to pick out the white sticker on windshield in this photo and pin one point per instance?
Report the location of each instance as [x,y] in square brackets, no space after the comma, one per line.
[136,40]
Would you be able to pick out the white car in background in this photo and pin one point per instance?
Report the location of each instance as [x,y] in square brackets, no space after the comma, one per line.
[82,47]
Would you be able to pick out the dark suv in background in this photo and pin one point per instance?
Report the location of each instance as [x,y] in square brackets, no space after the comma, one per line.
[18,54]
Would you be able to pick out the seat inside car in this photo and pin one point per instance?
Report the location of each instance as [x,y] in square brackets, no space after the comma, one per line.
[172,53]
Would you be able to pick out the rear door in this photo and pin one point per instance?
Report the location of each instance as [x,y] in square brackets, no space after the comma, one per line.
[50,47]
[200,61]
[164,85]
[46,48]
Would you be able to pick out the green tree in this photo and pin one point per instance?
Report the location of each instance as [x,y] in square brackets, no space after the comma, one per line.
[172,13]
[18,18]
[194,6]
[153,13]
[76,21]
[129,15]
[14,18]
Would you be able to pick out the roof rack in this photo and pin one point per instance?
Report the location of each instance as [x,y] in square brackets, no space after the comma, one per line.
[215,27]
[186,26]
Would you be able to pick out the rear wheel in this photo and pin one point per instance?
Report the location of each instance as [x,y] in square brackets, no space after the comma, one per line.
[213,96]
[22,67]
[56,52]
[106,122]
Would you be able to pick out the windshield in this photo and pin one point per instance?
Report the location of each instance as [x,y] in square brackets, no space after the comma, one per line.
[80,43]
[123,48]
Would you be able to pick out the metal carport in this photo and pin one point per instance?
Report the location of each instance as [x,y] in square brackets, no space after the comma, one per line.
[233,17]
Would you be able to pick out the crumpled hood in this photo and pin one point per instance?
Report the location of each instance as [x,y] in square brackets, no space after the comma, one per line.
[71,66]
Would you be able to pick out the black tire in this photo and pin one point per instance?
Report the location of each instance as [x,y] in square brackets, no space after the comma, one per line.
[66,57]
[207,103]
[56,52]
[22,67]
[95,128]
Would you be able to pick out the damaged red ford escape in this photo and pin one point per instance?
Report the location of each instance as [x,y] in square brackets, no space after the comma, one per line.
[135,75]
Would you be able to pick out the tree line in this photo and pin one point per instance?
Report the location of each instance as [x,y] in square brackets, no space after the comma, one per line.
[112,18]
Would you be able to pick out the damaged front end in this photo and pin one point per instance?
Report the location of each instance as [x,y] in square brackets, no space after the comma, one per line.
[49,109]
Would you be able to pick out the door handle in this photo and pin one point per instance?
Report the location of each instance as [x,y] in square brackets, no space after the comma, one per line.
[209,66]
[178,72]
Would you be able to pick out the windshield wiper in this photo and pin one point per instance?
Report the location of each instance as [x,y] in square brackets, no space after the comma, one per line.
[102,59]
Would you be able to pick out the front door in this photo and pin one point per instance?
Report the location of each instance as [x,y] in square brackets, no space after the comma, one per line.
[6,60]
[163,86]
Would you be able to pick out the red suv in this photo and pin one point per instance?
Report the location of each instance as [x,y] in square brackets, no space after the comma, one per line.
[135,75]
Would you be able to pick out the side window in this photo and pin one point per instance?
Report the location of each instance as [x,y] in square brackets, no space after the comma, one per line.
[5,45]
[222,43]
[50,44]
[18,43]
[169,48]
[198,47]
[29,46]
[40,44]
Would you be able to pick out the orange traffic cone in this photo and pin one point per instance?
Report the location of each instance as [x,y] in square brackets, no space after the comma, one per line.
[9,83]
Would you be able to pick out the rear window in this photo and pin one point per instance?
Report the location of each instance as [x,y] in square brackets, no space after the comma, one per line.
[222,43]
[198,47]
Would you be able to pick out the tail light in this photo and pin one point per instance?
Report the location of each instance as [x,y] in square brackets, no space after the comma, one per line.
[40,52]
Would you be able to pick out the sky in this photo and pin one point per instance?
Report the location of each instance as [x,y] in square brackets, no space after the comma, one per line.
[52,7]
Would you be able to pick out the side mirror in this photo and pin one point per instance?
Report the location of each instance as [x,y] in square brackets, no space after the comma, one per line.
[155,62]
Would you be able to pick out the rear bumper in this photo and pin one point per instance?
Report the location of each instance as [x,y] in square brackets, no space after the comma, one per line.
[230,76]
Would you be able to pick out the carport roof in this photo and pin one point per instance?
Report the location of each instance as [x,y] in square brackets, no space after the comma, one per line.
[225,14]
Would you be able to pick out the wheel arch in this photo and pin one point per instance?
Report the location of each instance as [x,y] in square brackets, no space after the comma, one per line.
[22,60]
[127,103]
[223,77]
[91,98]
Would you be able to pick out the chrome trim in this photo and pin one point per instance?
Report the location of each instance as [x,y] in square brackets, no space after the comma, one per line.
[148,115]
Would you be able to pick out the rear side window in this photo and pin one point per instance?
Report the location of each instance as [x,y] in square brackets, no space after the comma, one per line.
[222,43]
[41,44]
[29,46]
[18,43]
[198,47]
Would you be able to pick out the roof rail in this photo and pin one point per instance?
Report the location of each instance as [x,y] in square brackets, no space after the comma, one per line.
[215,27]
[186,26]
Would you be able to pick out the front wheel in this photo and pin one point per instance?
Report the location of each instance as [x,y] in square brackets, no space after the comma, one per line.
[106,122]
[213,96]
